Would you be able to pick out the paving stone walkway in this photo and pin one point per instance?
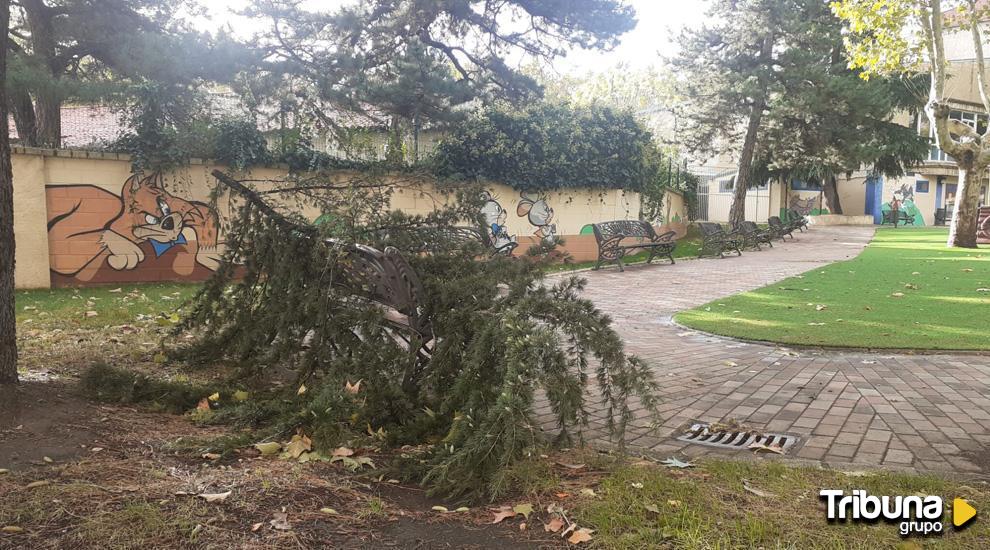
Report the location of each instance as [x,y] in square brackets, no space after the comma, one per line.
[850,409]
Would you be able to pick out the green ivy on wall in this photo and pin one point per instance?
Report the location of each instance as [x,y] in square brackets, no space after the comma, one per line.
[552,146]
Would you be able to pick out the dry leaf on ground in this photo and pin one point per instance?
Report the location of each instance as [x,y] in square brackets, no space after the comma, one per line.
[579,536]
[505,512]
[280,521]
[214,497]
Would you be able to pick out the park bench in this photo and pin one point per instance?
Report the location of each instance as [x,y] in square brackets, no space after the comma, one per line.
[715,240]
[778,229]
[387,279]
[796,220]
[437,240]
[616,238]
[382,278]
[753,236]
[430,239]
[902,218]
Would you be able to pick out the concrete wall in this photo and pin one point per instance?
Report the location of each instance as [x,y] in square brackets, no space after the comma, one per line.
[81,218]
[30,216]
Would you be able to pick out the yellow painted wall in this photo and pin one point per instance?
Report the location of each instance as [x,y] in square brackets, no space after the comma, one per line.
[47,182]
[30,232]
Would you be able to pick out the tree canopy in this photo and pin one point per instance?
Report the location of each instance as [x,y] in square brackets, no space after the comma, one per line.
[94,49]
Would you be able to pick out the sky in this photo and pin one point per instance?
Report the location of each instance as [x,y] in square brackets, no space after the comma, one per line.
[659,22]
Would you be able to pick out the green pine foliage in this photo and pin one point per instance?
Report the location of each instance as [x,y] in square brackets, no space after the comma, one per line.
[502,337]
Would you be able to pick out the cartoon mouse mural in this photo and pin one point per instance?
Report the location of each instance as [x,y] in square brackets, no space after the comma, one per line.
[99,233]
[495,217]
[539,214]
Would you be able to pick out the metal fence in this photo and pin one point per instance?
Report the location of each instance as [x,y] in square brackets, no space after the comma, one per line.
[714,198]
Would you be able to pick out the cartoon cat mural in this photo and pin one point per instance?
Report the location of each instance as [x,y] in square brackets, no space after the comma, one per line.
[143,234]
[495,217]
[539,214]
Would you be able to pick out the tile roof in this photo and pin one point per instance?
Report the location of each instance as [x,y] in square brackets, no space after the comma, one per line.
[84,125]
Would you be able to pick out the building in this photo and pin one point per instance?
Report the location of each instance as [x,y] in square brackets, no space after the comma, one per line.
[927,191]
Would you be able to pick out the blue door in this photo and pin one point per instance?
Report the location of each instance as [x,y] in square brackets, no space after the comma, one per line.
[874,199]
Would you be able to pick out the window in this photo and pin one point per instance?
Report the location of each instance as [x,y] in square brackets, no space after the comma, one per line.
[725,186]
[921,186]
[976,121]
[798,185]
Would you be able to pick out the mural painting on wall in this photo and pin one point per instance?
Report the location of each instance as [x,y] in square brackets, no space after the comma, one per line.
[983,228]
[808,206]
[143,234]
[540,215]
[905,194]
[495,218]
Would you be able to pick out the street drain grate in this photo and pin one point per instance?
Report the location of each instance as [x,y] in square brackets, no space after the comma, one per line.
[702,434]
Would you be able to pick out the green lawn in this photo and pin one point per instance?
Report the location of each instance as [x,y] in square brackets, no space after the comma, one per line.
[709,506]
[906,290]
[67,308]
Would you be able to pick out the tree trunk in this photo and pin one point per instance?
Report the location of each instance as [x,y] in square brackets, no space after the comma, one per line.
[737,214]
[22,108]
[830,187]
[48,102]
[8,327]
[966,212]
[49,111]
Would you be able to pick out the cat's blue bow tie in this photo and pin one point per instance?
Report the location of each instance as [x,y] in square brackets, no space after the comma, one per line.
[162,247]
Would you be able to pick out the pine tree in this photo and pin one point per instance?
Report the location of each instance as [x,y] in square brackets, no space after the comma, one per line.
[86,49]
[420,61]
[729,72]
[499,333]
[830,121]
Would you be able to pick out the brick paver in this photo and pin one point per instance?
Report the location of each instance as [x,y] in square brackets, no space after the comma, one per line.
[924,412]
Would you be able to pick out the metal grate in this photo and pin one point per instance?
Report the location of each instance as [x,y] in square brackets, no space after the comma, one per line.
[702,434]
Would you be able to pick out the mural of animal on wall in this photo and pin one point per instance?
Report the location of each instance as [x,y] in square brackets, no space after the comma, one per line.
[143,234]
[538,212]
[905,193]
[803,206]
[495,218]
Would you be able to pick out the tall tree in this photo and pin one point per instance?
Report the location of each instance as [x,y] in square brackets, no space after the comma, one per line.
[65,49]
[906,36]
[830,121]
[421,59]
[729,72]
[8,328]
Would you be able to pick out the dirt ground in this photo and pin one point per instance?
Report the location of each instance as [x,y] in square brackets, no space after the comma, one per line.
[87,475]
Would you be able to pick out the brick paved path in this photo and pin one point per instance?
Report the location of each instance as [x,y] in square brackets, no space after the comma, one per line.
[923,412]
